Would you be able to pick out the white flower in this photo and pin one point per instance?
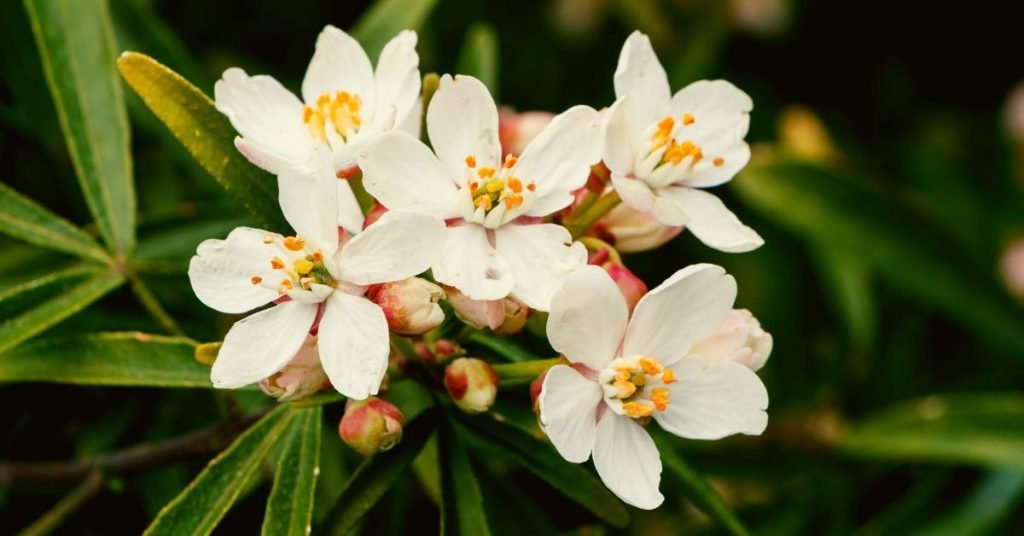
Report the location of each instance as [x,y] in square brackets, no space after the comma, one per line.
[313,278]
[662,148]
[494,245]
[740,339]
[626,371]
[344,103]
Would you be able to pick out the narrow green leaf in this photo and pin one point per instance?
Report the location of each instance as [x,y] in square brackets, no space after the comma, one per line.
[205,132]
[851,294]
[33,307]
[571,480]
[199,508]
[25,219]
[480,56]
[462,505]
[503,346]
[388,17]
[982,429]
[77,48]
[290,506]
[523,372]
[697,489]
[377,474]
[122,359]
[986,506]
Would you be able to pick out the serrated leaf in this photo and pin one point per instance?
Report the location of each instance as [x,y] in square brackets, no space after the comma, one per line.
[462,505]
[385,18]
[290,506]
[23,218]
[205,132]
[76,44]
[31,308]
[199,508]
[983,429]
[122,359]
[377,474]
[480,56]
[539,458]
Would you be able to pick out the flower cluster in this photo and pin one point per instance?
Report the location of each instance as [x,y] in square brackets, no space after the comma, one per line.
[501,216]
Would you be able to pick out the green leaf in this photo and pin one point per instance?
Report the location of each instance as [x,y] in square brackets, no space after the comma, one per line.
[851,294]
[386,18]
[828,208]
[480,56]
[462,509]
[199,508]
[991,501]
[696,488]
[77,48]
[205,132]
[571,480]
[377,474]
[503,346]
[982,429]
[121,359]
[290,506]
[31,308]
[25,219]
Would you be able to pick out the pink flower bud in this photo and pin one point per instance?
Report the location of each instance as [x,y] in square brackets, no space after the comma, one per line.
[472,384]
[479,314]
[516,130]
[631,231]
[631,286]
[301,377]
[515,314]
[371,426]
[535,387]
[740,339]
[437,352]
[410,305]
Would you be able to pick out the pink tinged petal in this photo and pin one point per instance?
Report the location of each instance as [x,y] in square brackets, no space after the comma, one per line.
[350,214]
[634,193]
[714,400]
[568,412]
[687,307]
[462,121]
[261,344]
[222,271]
[627,461]
[354,345]
[540,256]
[558,160]
[339,64]
[397,82]
[397,246]
[268,116]
[621,132]
[707,218]
[641,75]
[402,173]
[309,202]
[471,264]
[588,318]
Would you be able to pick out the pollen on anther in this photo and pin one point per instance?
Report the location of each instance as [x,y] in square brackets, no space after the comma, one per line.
[483,202]
[486,172]
[256,280]
[470,161]
[515,184]
[318,256]
[531,187]
[668,377]
[286,284]
[688,119]
[510,160]
[276,263]
[718,161]
[294,243]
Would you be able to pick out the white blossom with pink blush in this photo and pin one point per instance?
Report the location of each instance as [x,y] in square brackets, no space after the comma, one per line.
[344,103]
[663,149]
[628,369]
[636,231]
[495,244]
[740,338]
[301,377]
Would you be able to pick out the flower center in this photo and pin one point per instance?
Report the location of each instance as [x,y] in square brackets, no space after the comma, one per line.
[666,145]
[299,267]
[490,188]
[334,116]
[636,386]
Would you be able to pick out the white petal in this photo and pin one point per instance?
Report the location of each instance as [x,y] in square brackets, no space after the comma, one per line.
[541,256]
[402,173]
[338,64]
[641,75]
[310,203]
[262,344]
[397,246]
[354,345]
[221,272]
[558,160]
[714,400]
[350,214]
[397,81]
[707,218]
[721,119]
[627,461]
[469,263]
[687,307]
[412,124]
[462,121]
[568,412]
[634,193]
[267,115]
[620,132]
[588,318]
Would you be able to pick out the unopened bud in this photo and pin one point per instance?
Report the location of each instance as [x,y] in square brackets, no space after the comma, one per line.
[632,231]
[301,377]
[472,384]
[740,339]
[371,426]
[515,315]
[478,314]
[410,305]
[438,352]
[516,130]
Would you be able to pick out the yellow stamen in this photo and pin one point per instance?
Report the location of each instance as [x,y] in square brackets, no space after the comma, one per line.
[688,119]
[256,280]
[318,255]
[470,161]
[513,201]
[294,243]
[286,284]
[718,161]
[495,185]
[303,266]
[510,160]
[483,202]
[531,187]
[634,410]
[486,172]
[276,263]
[659,396]
[668,377]
[650,366]
[515,184]
[625,389]
[306,282]
[623,374]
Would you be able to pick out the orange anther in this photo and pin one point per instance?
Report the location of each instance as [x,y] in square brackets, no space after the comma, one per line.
[256,280]
[486,172]
[471,161]
[286,284]
[688,119]
[515,184]
[650,366]
[668,377]
[659,396]
[510,160]
[276,263]
[307,114]
[294,243]
[318,256]
[483,202]
[718,161]
[531,187]
[634,410]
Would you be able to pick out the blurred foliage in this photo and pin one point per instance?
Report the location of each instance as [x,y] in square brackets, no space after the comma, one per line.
[885,183]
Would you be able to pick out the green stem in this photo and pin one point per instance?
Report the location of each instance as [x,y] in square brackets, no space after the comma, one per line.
[597,244]
[53,518]
[150,303]
[513,374]
[602,206]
